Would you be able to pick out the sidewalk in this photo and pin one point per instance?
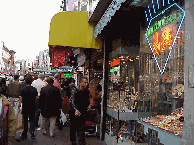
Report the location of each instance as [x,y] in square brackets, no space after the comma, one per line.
[60,138]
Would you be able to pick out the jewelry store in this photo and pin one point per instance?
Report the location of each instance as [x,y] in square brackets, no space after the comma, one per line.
[144,72]
[161,77]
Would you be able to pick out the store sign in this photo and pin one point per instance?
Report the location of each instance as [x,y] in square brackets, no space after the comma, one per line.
[68,75]
[115,69]
[65,70]
[162,32]
[115,62]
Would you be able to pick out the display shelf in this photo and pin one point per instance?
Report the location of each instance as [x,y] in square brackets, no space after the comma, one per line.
[128,115]
[165,137]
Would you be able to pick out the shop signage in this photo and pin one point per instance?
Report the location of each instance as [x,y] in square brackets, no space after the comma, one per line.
[115,62]
[164,21]
[115,69]
[162,31]
[68,75]
[65,70]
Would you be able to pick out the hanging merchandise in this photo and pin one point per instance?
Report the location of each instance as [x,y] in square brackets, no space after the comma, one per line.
[66,57]
[76,51]
[58,57]
[73,59]
[55,57]
[61,58]
[81,59]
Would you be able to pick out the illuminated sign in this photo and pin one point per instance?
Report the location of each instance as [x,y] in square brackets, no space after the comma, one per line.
[115,69]
[115,62]
[68,75]
[164,21]
[162,32]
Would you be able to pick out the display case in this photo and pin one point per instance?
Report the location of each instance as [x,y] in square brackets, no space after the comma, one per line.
[123,98]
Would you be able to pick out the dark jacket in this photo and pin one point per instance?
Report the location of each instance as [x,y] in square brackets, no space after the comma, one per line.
[14,89]
[79,100]
[50,101]
[28,94]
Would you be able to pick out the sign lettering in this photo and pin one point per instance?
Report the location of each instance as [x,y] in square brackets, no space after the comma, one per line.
[164,21]
[167,39]
[115,62]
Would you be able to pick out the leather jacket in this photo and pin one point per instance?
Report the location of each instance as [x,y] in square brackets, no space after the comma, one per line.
[79,100]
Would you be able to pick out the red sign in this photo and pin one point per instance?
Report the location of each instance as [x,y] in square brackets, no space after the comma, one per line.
[115,62]
[166,40]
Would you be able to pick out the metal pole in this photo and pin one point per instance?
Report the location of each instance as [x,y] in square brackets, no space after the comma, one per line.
[64,5]
[104,94]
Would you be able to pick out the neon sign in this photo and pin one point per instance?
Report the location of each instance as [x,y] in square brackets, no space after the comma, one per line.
[115,62]
[68,75]
[167,39]
[115,69]
[164,39]
[164,21]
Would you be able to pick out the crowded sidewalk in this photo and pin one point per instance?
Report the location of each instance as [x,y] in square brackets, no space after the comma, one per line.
[60,138]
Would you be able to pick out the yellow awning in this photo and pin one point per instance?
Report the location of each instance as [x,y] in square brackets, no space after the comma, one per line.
[73,29]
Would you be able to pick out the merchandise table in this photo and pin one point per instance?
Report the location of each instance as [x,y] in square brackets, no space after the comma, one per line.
[165,137]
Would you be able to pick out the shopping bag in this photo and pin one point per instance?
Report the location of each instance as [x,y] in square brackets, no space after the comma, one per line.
[63,118]
[19,122]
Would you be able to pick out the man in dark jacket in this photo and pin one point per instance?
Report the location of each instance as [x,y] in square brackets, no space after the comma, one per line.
[28,99]
[50,103]
[80,104]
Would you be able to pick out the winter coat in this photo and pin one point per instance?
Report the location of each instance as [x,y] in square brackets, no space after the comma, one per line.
[50,101]
[8,128]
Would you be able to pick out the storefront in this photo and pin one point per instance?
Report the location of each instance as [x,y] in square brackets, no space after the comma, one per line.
[144,81]
[70,37]
[161,78]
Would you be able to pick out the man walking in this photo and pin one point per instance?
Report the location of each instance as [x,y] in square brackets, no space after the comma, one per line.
[14,89]
[38,84]
[80,104]
[28,98]
[49,105]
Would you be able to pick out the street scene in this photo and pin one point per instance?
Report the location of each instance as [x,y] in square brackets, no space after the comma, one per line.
[97,72]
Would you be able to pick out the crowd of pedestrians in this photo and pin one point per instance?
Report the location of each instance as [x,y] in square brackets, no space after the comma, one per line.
[48,97]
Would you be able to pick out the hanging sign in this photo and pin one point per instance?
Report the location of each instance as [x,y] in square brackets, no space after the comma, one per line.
[162,31]
[115,62]
[115,69]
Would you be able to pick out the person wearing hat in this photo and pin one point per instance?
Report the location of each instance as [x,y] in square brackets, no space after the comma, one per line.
[38,84]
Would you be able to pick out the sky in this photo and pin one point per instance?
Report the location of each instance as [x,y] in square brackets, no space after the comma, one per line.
[25,24]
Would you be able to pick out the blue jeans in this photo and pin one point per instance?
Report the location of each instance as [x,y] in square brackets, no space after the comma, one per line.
[37,113]
[32,123]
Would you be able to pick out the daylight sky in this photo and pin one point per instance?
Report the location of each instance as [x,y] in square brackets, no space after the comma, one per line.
[24,25]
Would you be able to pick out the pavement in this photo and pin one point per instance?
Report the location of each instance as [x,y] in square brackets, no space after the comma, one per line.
[60,138]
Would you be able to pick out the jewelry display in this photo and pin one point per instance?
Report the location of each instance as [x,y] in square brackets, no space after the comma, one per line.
[170,123]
